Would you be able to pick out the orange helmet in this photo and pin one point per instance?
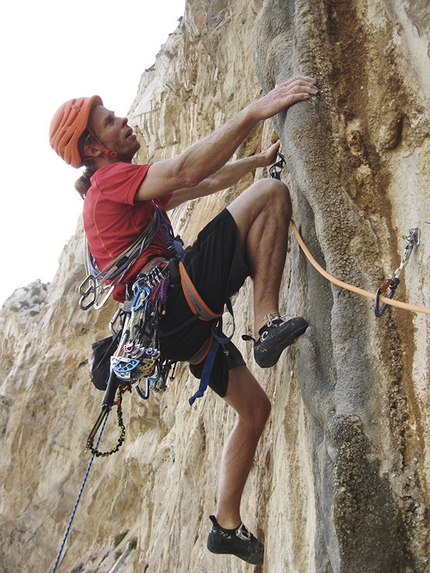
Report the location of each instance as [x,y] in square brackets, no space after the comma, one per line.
[68,124]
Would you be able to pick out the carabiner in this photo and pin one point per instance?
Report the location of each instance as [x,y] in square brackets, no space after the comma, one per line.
[278,165]
[118,313]
[98,305]
[392,284]
[156,375]
[145,395]
[87,287]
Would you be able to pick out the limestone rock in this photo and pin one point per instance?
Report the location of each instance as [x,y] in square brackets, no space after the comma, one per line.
[27,301]
[341,477]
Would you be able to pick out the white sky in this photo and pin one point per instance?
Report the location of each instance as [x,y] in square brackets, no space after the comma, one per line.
[52,51]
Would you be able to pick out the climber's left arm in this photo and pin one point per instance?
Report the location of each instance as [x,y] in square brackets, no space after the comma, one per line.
[225,177]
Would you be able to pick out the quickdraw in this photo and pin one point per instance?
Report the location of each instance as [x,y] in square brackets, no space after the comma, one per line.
[412,240]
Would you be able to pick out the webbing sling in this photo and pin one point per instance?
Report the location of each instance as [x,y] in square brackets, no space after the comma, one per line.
[210,348]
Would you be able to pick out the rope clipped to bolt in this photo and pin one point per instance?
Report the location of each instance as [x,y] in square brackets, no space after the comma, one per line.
[412,240]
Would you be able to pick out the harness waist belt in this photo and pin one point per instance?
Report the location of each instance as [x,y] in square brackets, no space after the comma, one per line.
[153,263]
[194,300]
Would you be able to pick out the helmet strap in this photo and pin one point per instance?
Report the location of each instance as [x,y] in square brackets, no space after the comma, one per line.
[107,151]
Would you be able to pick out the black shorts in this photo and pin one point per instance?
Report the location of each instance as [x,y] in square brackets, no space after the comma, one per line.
[217,269]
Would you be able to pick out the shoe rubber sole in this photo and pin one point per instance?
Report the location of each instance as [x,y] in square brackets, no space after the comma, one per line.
[233,542]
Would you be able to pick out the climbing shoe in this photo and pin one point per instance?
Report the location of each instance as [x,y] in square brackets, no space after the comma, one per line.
[239,542]
[274,337]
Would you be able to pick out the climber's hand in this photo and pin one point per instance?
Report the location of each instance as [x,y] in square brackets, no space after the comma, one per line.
[269,156]
[283,96]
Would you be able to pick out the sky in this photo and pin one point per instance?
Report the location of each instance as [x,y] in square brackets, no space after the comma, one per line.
[53,51]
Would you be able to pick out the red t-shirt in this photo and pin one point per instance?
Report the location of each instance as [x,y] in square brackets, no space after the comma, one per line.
[113,220]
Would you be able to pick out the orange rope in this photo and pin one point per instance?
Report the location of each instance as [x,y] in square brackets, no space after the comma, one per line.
[347,286]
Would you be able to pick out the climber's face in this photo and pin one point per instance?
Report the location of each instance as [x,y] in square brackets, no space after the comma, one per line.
[113,132]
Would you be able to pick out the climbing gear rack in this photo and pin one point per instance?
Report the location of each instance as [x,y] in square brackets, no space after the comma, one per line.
[137,358]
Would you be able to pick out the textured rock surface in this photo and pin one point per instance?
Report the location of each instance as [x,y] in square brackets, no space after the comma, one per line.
[341,478]
[357,160]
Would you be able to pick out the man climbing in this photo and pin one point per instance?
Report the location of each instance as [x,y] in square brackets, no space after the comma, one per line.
[248,238]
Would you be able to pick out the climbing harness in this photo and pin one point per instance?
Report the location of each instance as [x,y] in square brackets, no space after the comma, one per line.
[385,300]
[412,240]
[197,305]
[137,357]
[210,347]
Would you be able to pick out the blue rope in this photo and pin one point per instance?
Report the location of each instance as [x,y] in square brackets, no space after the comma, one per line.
[79,496]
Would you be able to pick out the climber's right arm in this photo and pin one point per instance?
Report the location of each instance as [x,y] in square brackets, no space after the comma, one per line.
[207,156]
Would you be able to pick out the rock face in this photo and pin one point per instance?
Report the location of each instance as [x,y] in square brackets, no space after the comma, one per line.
[341,478]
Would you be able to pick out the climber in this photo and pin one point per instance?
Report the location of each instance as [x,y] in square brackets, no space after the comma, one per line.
[248,238]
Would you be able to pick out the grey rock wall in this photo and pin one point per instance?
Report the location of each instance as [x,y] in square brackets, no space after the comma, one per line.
[349,156]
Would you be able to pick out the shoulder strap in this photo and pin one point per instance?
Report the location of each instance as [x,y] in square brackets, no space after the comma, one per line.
[94,286]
